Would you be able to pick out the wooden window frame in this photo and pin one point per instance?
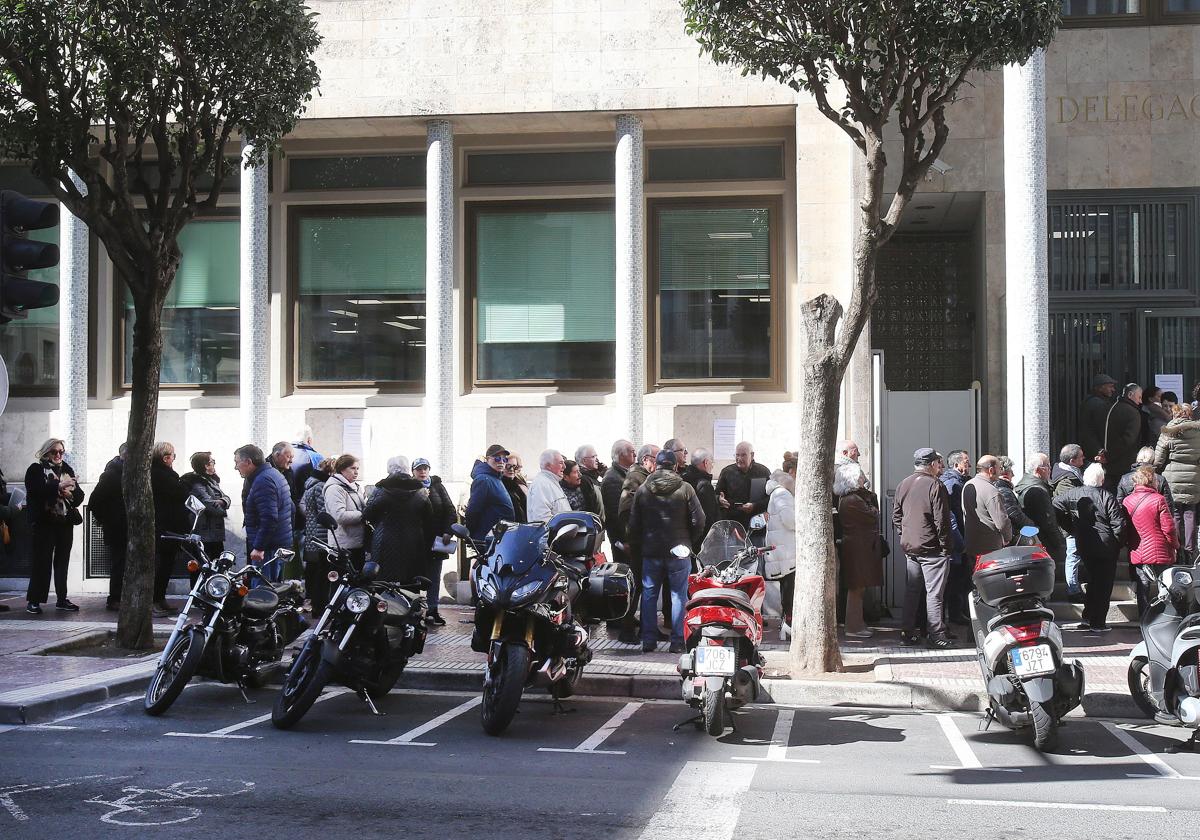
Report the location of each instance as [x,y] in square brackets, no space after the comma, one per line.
[778,352]
[295,213]
[1155,14]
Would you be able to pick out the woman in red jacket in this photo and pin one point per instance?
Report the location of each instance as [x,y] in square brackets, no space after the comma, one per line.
[1156,541]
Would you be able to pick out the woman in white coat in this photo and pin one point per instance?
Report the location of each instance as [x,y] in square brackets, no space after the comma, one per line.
[781,533]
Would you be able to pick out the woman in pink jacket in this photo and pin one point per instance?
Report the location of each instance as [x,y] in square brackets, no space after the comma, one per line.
[1156,541]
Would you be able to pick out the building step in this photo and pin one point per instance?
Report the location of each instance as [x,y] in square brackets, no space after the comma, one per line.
[1122,591]
[1120,613]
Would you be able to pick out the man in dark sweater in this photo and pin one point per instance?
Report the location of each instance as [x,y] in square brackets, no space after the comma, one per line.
[742,486]
[922,518]
[699,474]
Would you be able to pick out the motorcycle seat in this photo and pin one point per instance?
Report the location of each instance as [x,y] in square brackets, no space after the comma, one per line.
[291,589]
[260,603]
[731,597]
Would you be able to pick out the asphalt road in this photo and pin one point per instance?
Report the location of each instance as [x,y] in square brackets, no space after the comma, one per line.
[214,766]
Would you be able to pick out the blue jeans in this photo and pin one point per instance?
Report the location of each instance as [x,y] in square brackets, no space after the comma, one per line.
[1073,564]
[656,571]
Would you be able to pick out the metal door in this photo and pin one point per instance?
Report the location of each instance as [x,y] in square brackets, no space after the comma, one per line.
[1170,344]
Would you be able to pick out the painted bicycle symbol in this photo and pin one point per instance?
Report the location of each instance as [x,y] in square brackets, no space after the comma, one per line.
[167,805]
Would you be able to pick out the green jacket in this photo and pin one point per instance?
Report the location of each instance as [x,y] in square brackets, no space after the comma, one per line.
[1177,457]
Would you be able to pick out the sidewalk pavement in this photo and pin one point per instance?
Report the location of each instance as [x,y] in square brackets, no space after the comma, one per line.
[41,680]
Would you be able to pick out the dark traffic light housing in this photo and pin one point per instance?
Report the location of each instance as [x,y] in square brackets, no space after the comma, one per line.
[18,254]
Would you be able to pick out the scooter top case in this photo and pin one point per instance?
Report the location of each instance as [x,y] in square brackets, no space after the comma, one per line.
[1014,572]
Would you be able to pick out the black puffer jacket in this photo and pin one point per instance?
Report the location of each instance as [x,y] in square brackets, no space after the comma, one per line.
[402,515]
[1093,516]
[207,488]
[170,513]
[610,492]
[665,513]
[444,513]
[1012,507]
[702,483]
[1125,487]
[107,504]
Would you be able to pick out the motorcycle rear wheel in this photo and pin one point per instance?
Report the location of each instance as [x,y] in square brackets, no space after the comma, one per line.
[174,673]
[1045,727]
[301,688]
[502,695]
[1138,679]
[714,712]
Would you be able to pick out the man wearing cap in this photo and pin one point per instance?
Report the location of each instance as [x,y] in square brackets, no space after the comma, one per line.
[1093,415]
[922,518]
[489,501]
[665,513]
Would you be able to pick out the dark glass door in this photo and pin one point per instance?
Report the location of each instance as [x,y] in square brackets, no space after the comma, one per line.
[1171,348]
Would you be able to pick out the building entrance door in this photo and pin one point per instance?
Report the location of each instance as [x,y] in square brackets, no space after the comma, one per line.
[1170,349]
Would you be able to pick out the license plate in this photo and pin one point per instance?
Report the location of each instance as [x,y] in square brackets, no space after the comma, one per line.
[1027,661]
[715,661]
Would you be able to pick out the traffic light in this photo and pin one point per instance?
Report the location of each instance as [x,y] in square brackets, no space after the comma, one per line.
[18,254]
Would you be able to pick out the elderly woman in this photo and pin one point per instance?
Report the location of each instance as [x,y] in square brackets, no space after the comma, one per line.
[517,487]
[402,515]
[1177,456]
[344,502]
[860,552]
[781,533]
[53,499]
[1156,542]
[204,483]
[1092,516]
[316,564]
[170,515]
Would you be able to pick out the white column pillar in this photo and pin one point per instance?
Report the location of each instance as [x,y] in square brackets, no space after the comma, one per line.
[631,279]
[439,294]
[1027,332]
[73,335]
[255,367]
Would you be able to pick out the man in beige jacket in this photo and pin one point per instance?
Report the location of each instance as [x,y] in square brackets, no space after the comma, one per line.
[986,525]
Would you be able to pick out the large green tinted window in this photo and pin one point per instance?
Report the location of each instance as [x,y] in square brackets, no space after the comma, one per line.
[361,283]
[544,294]
[30,345]
[201,332]
[714,285]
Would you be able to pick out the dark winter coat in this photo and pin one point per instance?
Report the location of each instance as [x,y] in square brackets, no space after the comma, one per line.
[1125,487]
[107,504]
[954,481]
[313,502]
[1037,501]
[665,513]
[702,483]
[1063,477]
[170,493]
[489,502]
[41,493]
[921,515]
[1012,506]
[518,494]
[1125,435]
[736,485]
[610,493]
[6,512]
[444,512]
[586,496]
[1151,519]
[635,477]
[402,515]
[860,552]
[207,488]
[1178,456]
[1093,516]
[1093,415]
[1156,418]
[295,486]
[267,511]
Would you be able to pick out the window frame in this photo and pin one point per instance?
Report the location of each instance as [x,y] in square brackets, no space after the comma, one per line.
[1154,14]
[773,202]
[296,213]
[470,313]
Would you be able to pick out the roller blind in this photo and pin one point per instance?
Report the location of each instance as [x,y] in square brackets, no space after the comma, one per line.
[714,249]
[356,254]
[546,276]
[209,269]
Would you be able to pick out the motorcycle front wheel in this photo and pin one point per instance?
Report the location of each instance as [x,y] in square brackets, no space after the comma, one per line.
[502,694]
[714,712]
[175,671]
[1138,678]
[1045,727]
[301,688]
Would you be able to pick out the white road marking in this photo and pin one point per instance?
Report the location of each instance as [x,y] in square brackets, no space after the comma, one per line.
[228,731]
[18,813]
[777,751]
[721,788]
[1073,806]
[598,737]
[962,750]
[409,738]
[1162,769]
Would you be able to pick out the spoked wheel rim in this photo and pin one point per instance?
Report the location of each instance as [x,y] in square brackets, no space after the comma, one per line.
[163,677]
[292,685]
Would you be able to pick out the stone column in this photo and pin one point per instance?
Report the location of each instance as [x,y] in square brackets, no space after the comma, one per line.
[439,294]
[631,280]
[73,335]
[255,368]
[1027,333]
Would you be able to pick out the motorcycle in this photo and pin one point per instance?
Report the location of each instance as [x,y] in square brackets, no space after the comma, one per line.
[538,589]
[364,639]
[226,630]
[722,667]
[1163,676]
[1018,643]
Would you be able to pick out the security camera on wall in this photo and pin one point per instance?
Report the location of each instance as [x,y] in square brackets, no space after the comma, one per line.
[939,166]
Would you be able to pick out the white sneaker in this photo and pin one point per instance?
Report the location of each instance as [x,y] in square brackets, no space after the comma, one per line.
[785,631]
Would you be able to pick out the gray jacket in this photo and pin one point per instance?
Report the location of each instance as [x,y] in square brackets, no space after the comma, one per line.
[986,527]
[1177,455]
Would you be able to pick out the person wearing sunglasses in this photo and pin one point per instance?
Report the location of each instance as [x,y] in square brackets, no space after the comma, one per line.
[54,498]
[489,501]
[517,486]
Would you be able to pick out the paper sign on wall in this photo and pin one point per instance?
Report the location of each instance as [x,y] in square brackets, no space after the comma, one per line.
[353,436]
[1170,382]
[724,439]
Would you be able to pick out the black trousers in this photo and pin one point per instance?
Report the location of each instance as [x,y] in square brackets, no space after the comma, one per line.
[1101,573]
[316,584]
[1145,584]
[787,595]
[51,544]
[116,575]
[164,563]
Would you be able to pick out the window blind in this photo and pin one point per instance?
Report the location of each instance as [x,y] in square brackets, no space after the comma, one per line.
[209,270]
[714,249]
[356,254]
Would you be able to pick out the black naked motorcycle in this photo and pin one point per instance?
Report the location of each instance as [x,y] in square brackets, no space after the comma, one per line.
[363,640]
[226,630]
[537,591]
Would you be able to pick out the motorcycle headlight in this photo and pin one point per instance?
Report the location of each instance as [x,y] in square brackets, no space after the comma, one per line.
[358,601]
[526,590]
[217,587]
[1183,578]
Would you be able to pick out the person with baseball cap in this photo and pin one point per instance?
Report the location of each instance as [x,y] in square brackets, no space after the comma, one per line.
[444,515]
[489,501]
[1093,415]
[922,519]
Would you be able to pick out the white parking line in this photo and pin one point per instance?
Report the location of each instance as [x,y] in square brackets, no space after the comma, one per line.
[409,738]
[105,707]
[1162,769]
[722,790]
[228,731]
[780,735]
[598,737]
[962,750]
[1073,806]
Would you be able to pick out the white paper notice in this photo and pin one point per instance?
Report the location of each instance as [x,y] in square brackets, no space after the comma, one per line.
[352,436]
[1170,382]
[724,439]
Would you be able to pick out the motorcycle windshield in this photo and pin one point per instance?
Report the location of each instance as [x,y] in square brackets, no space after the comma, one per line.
[723,543]
[520,548]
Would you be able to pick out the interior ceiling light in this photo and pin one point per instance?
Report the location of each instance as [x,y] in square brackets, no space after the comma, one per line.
[399,324]
[344,312]
[377,302]
[743,235]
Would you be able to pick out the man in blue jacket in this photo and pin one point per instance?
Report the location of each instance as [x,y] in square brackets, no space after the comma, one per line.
[489,501]
[266,505]
[958,586]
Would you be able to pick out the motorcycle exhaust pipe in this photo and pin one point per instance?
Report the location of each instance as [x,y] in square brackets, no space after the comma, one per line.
[1189,711]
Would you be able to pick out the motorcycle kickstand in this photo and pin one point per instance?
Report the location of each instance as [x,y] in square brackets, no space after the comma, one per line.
[1187,746]
[560,709]
[370,703]
[986,723]
[698,720]
[242,688]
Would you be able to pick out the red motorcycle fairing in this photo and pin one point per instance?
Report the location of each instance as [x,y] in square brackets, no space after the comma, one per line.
[748,624]
[708,605]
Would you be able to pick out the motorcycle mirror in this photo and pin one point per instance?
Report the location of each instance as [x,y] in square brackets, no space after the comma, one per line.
[194,505]
[370,571]
[460,531]
[681,551]
[1029,531]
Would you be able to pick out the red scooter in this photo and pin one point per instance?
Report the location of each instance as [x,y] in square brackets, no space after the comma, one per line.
[722,629]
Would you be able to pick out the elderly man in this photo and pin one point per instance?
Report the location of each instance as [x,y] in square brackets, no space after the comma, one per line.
[986,527]
[624,456]
[921,516]
[958,575]
[1126,430]
[546,496]
[675,445]
[590,466]
[1037,501]
[847,452]
[699,474]
[1065,475]
[1092,515]
[742,486]
[266,506]
[1093,414]
[1008,496]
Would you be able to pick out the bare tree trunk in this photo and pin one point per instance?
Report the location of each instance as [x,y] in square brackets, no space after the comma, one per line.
[134,630]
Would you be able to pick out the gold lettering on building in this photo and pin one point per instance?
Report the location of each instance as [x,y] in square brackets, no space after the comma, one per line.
[1129,107]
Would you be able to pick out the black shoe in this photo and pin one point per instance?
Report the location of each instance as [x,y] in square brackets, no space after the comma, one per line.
[663,637]
[34,609]
[161,609]
[112,606]
[66,606]
[941,644]
[909,640]
[435,619]
[1100,628]
[676,647]
[1075,598]
[629,637]
[649,647]
[1083,625]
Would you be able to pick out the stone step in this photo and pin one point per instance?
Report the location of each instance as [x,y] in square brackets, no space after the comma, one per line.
[1122,591]
[1120,613]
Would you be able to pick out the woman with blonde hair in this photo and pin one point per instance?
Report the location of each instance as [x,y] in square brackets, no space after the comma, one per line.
[1177,457]
[53,498]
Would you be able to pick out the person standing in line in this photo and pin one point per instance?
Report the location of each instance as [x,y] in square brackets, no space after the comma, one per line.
[737,491]
[847,451]
[699,475]
[443,515]
[170,515]
[344,502]
[204,483]
[580,492]
[282,457]
[1037,502]
[1092,515]
[1093,415]
[1178,456]
[781,532]
[921,516]
[634,478]
[266,508]
[1125,432]
[1156,542]
[624,456]
[107,505]
[8,511]
[517,487]
[590,465]
[1066,475]
[1157,415]
[489,501]
[1145,458]
[316,563]
[52,505]
[958,572]
[986,527]
[546,496]
[681,452]
[402,515]
[861,552]
[307,459]
[1008,497]
[665,513]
